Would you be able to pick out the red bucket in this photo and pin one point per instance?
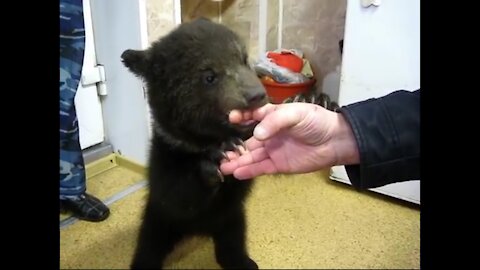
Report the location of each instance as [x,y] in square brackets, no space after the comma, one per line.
[278,92]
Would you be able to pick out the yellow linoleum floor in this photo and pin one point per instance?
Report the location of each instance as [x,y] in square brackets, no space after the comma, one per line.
[296,222]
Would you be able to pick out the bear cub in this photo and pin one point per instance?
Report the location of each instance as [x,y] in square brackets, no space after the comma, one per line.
[194,77]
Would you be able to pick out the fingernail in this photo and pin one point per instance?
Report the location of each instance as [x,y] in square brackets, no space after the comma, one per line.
[260,133]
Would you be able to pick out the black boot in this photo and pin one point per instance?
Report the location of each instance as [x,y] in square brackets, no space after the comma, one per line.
[87,207]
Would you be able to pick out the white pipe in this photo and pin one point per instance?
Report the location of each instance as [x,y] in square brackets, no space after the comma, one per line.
[177,12]
[142,10]
[219,11]
[262,27]
[280,24]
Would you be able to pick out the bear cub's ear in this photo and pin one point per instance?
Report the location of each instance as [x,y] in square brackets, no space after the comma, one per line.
[136,61]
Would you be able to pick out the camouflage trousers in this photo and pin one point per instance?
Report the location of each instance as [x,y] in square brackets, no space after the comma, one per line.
[72,47]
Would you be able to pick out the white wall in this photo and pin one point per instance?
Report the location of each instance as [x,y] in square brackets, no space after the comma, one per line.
[121,25]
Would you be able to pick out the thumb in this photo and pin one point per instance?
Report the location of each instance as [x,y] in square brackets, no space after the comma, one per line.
[276,120]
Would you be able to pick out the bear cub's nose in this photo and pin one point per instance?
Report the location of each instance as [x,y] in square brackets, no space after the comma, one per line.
[254,98]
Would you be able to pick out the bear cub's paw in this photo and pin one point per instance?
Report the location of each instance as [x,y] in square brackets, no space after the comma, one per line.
[210,167]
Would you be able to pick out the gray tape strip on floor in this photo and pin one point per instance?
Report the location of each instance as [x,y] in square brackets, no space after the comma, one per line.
[70,220]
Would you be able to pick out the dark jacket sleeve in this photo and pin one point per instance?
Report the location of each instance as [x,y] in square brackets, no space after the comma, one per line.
[387,130]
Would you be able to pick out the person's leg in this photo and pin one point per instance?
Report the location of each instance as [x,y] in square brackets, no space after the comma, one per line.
[72,170]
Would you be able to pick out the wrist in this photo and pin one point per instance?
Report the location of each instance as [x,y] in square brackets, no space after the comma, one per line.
[344,143]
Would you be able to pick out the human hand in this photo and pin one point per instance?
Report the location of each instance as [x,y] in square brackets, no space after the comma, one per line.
[292,138]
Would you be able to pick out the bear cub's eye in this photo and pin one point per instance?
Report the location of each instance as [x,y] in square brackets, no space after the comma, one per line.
[209,77]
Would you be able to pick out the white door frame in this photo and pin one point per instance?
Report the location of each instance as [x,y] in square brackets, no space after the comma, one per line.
[87,102]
